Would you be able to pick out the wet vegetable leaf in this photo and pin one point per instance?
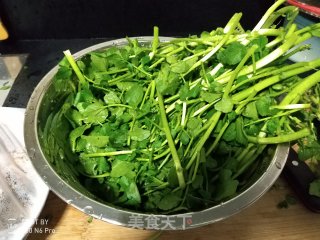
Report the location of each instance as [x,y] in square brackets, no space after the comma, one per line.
[210,97]
[183,66]
[264,104]
[250,111]
[134,95]
[169,201]
[111,97]
[139,134]
[226,186]
[122,168]
[75,134]
[167,82]
[225,105]
[233,53]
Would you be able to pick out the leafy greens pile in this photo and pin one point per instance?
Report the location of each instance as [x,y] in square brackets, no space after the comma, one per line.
[182,124]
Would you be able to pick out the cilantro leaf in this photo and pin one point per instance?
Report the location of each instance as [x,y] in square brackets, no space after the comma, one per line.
[134,95]
[226,185]
[184,138]
[250,111]
[210,97]
[240,136]
[167,82]
[98,62]
[183,66]
[96,141]
[193,125]
[233,53]
[272,126]
[94,166]
[230,134]
[188,93]
[131,194]
[169,201]
[225,105]
[94,113]
[111,97]
[139,134]
[122,168]
[75,134]
[261,42]
[264,104]
[63,73]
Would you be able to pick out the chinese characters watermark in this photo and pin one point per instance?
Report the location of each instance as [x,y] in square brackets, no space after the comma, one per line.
[162,222]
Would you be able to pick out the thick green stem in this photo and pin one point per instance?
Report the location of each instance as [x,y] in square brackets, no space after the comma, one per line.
[268,13]
[213,122]
[114,81]
[265,60]
[155,42]
[230,27]
[280,114]
[173,150]
[157,62]
[196,167]
[290,12]
[107,154]
[251,157]
[309,28]
[302,87]
[217,139]
[300,48]
[246,37]
[275,79]
[280,139]
[75,67]
[237,70]
[270,71]
[244,153]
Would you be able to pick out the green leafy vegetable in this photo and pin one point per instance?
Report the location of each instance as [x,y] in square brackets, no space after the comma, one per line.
[167,81]
[186,124]
[233,54]
[169,201]
[225,105]
[226,186]
[134,95]
[263,106]
[139,134]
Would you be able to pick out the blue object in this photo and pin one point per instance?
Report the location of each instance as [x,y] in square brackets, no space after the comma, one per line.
[314,52]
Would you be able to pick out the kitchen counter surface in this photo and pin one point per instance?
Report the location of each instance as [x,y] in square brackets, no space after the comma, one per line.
[262,220]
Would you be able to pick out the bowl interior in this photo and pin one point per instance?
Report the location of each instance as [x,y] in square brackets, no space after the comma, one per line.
[55,163]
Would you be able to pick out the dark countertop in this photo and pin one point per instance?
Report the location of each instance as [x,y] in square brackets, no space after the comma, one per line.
[72,19]
[42,56]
